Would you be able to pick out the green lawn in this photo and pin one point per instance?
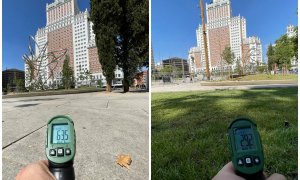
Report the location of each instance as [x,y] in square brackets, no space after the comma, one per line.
[268,77]
[189,139]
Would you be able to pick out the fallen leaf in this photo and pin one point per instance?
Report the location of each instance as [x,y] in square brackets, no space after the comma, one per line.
[124,160]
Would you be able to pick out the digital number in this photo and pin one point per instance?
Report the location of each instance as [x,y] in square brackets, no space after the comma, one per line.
[66,135]
[246,140]
[62,135]
[57,135]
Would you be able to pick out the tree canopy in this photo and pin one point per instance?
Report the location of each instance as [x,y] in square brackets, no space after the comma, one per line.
[283,51]
[122,33]
[271,58]
[105,14]
[228,55]
[67,73]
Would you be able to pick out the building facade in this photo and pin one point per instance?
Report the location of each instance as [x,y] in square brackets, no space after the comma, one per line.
[290,31]
[67,28]
[195,62]
[222,29]
[9,77]
[252,51]
[178,64]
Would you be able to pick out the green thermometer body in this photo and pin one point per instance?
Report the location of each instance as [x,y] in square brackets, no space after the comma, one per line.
[61,147]
[246,148]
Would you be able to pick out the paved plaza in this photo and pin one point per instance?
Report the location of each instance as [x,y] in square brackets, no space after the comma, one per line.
[106,124]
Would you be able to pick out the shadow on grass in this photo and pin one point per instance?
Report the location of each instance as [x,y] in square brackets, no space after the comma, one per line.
[189,130]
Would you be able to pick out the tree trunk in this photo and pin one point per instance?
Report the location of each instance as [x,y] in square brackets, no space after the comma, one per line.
[108,86]
[126,85]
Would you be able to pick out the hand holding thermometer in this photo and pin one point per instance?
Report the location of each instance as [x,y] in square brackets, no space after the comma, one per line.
[246,149]
[61,147]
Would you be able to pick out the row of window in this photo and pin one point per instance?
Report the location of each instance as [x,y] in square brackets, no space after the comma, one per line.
[82,47]
[78,55]
[81,58]
[83,39]
[59,25]
[79,19]
[81,65]
[80,25]
[81,62]
[78,44]
[80,30]
[77,37]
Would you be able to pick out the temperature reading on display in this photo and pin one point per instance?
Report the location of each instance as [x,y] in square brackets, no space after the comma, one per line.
[60,134]
[245,139]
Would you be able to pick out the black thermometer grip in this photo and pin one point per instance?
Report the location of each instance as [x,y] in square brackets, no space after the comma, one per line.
[62,172]
[257,176]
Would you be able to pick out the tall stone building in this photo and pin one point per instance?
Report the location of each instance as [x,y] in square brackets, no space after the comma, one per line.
[252,51]
[223,29]
[69,28]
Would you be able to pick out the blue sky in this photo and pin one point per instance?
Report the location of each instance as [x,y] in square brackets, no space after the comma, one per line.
[21,19]
[174,23]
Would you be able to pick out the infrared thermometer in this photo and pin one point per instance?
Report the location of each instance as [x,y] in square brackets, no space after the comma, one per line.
[246,148]
[61,147]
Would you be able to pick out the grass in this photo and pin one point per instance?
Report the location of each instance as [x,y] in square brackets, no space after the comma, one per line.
[189,139]
[268,77]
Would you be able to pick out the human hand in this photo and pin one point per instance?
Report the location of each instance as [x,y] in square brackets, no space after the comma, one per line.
[36,171]
[228,173]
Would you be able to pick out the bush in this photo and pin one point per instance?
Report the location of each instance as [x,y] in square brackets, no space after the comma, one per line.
[100,84]
[261,69]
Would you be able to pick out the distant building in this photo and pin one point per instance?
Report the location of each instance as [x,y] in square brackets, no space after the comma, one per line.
[222,29]
[68,28]
[178,64]
[290,31]
[142,79]
[8,77]
[194,58]
[252,50]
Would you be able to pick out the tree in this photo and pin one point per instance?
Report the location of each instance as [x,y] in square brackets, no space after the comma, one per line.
[261,69]
[271,58]
[167,69]
[294,41]
[238,68]
[134,37]
[122,33]
[38,73]
[67,73]
[19,83]
[284,52]
[105,16]
[89,77]
[228,56]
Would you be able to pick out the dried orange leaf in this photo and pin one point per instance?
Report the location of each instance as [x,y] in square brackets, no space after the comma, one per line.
[124,160]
